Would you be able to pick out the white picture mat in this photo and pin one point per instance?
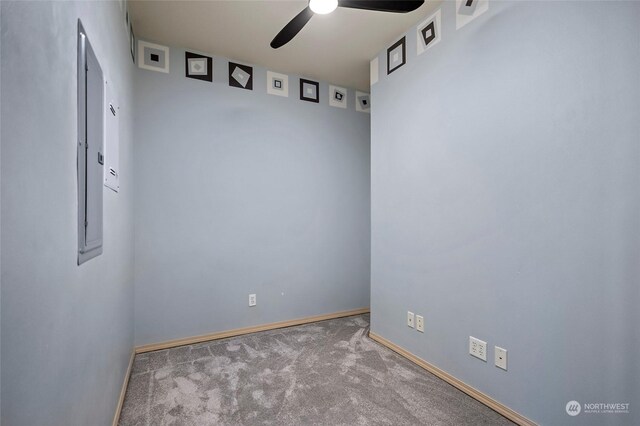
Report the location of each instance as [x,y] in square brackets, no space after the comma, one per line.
[284,91]
[374,71]
[141,45]
[335,103]
[358,107]
[437,18]
[462,19]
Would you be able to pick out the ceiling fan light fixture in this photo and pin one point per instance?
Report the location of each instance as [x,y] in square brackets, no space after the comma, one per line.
[322,7]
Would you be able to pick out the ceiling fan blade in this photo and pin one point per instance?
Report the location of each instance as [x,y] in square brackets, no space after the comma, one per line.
[292,28]
[398,6]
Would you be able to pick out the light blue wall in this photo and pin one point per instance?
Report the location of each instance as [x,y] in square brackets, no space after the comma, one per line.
[241,192]
[0,222]
[506,204]
[67,330]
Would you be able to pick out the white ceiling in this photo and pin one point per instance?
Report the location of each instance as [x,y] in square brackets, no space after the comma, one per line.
[335,48]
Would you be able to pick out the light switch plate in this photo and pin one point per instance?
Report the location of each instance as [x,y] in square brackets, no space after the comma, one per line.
[410,319]
[478,348]
[500,356]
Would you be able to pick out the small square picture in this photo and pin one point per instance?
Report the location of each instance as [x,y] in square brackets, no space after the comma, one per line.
[373,71]
[363,102]
[132,43]
[428,33]
[199,67]
[309,90]
[240,76]
[277,84]
[153,57]
[468,10]
[396,55]
[337,96]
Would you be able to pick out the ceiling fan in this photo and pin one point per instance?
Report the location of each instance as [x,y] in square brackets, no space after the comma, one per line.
[322,7]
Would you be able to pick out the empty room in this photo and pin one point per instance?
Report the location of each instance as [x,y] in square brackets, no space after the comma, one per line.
[319,212]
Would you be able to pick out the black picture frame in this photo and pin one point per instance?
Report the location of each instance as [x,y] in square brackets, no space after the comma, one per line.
[431,28]
[302,94]
[234,83]
[132,43]
[204,77]
[402,42]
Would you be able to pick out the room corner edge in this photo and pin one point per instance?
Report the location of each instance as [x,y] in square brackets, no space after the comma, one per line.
[123,390]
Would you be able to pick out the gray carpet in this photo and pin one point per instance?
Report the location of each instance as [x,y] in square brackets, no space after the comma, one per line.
[327,373]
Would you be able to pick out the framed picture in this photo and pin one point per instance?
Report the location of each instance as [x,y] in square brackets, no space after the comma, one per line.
[396,55]
[153,57]
[199,67]
[309,90]
[132,43]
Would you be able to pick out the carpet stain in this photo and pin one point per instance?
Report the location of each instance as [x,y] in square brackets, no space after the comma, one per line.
[326,373]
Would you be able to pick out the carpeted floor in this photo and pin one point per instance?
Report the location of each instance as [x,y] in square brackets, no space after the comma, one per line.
[325,373]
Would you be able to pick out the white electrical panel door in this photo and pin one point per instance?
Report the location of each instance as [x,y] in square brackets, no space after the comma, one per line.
[112,140]
[90,142]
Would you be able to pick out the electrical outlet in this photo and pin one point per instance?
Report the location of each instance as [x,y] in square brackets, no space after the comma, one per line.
[478,348]
[420,323]
[410,319]
[500,356]
[252,300]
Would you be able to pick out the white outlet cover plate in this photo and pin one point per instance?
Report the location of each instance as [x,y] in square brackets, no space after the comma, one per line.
[478,348]
[252,300]
[500,356]
[410,319]
[420,323]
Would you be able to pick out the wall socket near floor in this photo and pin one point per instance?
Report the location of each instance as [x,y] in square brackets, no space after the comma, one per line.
[420,323]
[478,348]
[500,356]
[252,300]
[410,319]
